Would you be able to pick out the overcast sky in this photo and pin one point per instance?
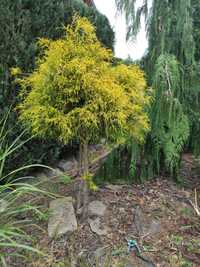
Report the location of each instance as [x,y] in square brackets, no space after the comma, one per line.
[122,48]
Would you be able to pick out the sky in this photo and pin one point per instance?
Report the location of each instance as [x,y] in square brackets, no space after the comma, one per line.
[123,49]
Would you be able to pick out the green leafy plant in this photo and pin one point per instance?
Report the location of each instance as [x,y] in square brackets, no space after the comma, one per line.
[177,239]
[16,202]
[65,179]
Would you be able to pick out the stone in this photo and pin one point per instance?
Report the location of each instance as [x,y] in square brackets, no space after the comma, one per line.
[98,227]
[98,146]
[62,219]
[54,173]
[96,208]
[144,225]
[103,141]
[68,165]
[114,187]
[3,205]
[92,149]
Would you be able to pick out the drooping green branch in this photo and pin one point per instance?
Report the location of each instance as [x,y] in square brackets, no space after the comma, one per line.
[133,14]
[172,67]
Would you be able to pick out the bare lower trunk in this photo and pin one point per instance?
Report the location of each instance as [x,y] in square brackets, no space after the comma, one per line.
[80,183]
[85,185]
[82,194]
[80,160]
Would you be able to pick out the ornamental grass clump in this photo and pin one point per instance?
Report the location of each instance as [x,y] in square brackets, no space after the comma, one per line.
[17,200]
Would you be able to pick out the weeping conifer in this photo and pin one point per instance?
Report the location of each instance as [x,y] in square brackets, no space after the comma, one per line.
[172,67]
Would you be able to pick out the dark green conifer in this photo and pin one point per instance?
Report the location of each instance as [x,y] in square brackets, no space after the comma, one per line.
[172,67]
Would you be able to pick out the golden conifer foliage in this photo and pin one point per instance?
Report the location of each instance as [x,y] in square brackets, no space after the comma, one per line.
[76,93]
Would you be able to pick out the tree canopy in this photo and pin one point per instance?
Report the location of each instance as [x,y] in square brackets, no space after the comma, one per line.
[77,94]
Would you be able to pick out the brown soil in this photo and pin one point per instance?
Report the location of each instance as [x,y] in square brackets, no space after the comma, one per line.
[175,241]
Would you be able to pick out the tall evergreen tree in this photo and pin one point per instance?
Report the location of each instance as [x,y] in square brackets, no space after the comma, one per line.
[172,66]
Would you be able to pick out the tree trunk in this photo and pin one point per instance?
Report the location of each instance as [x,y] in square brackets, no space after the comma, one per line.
[85,185]
[80,182]
[82,194]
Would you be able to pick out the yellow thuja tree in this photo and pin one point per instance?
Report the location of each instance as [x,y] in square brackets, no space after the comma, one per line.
[76,93]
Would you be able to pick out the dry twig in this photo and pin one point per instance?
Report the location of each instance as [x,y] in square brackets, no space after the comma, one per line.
[195,204]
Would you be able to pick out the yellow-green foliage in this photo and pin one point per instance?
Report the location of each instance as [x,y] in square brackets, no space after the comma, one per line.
[76,93]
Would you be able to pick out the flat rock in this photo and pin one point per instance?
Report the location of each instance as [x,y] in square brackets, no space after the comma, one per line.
[98,227]
[62,218]
[144,225]
[68,165]
[96,208]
